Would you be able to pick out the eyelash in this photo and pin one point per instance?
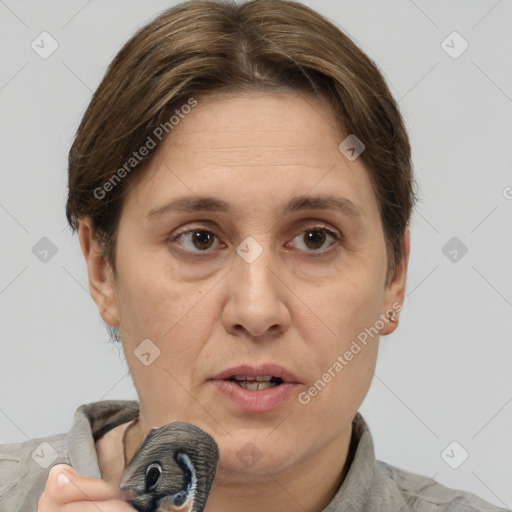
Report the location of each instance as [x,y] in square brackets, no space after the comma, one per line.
[313,253]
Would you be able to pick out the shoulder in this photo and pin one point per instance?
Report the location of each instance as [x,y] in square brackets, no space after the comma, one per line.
[24,468]
[423,494]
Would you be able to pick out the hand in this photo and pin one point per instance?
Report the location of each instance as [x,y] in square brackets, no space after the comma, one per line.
[67,491]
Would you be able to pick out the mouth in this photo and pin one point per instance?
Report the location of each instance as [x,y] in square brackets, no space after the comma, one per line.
[256,388]
[262,376]
[256,383]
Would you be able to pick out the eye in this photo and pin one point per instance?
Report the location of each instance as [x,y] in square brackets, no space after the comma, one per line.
[197,239]
[314,239]
[153,473]
[201,240]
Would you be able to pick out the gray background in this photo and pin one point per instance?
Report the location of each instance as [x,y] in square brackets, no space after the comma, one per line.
[444,376]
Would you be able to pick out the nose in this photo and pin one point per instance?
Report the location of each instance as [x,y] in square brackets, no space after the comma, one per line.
[257,299]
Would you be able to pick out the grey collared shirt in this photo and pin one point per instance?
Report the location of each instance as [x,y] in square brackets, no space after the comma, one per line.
[370,485]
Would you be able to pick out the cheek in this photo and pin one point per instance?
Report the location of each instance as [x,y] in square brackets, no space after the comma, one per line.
[152,301]
[343,339]
[349,303]
[177,322]
[340,367]
[153,304]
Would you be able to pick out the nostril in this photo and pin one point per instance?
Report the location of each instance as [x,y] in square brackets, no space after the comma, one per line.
[271,332]
[242,331]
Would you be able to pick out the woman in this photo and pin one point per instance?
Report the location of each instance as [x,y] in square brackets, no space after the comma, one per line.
[241,186]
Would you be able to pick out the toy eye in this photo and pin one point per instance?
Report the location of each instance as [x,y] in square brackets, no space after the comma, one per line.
[153,474]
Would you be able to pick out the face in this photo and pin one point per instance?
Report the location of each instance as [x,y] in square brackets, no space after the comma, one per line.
[252,247]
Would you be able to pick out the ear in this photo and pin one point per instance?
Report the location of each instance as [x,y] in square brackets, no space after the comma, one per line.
[395,290]
[101,276]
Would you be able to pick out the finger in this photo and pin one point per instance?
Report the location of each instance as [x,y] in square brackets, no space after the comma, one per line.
[65,485]
[99,506]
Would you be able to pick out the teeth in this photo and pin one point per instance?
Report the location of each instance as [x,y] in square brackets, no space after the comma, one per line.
[254,385]
[250,379]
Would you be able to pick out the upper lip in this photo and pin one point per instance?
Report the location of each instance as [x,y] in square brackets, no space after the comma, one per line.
[262,370]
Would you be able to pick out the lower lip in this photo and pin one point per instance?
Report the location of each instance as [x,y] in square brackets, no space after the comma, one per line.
[251,400]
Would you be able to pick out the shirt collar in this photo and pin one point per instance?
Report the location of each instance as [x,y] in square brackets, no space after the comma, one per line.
[358,483]
[93,420]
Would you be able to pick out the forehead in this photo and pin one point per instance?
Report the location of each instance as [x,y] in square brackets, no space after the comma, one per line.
[254,144]
[272,123]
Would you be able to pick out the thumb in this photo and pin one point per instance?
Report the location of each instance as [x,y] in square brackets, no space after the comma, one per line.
[65,485]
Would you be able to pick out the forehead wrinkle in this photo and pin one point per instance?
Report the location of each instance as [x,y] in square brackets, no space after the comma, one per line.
[274,155]
[272,148]
[288,138]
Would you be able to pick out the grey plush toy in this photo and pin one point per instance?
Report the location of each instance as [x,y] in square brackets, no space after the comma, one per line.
[173,469]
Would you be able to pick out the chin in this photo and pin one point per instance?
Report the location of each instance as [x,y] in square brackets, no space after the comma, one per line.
[256,457]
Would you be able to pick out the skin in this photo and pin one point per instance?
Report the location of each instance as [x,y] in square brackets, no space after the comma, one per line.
[215,311]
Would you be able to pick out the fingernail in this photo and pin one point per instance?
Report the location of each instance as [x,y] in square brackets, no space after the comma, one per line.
[62,479]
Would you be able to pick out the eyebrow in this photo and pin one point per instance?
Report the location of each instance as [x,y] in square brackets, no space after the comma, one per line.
[213,204]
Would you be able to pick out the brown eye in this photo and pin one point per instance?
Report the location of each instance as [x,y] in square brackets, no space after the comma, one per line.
[202,239]
[315,239]
[197,239]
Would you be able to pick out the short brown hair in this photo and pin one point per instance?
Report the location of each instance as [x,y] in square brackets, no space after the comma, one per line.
[200,47]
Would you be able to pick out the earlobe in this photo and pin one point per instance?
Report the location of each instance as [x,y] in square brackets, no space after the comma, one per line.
[101,277]
[395,291]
